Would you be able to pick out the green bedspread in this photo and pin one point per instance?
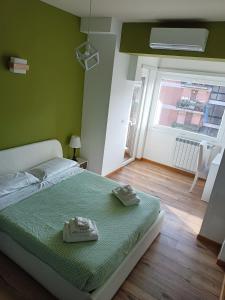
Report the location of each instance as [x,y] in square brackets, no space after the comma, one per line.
[36,223]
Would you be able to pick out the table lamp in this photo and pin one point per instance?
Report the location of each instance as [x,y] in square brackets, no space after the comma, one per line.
[75,144]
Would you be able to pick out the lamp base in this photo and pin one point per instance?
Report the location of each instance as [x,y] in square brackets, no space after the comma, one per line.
[74,154]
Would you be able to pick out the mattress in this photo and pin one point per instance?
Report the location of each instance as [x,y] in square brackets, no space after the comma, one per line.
[36,224]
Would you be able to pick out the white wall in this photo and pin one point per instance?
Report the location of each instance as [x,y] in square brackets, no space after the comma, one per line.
[106,104]
[159,143]
[119,111]
[213,226]
[200,65]
[97,88]
[159,146]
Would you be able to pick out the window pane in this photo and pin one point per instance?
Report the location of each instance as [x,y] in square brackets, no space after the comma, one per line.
[191,106]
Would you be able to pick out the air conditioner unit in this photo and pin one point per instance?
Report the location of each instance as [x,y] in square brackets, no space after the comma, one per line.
[189,39]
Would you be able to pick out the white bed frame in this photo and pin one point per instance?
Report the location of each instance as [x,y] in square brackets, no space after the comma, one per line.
[22,158]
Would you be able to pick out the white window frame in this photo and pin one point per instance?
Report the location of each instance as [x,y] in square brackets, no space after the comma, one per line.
[201,78]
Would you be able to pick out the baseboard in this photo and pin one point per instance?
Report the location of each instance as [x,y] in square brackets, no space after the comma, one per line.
[167,167]
[208,242]
[111,173]
[160,165]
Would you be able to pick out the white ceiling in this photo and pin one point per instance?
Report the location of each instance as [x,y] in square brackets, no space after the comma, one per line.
[146,10]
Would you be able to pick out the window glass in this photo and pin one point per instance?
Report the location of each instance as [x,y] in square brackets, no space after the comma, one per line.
[191,106]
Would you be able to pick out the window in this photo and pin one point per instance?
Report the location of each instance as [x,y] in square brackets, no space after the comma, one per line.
[190,106]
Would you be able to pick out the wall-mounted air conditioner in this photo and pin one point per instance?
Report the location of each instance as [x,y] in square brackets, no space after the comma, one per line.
[189,39]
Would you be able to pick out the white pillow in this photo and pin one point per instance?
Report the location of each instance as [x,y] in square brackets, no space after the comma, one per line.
[52,167]
[14,181]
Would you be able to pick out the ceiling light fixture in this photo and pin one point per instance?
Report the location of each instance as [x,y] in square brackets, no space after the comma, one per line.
[86,53]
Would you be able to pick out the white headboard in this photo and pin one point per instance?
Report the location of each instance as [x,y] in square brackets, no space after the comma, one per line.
[24,157]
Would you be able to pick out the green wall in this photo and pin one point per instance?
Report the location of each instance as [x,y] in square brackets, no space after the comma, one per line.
[135,39]
[47,102]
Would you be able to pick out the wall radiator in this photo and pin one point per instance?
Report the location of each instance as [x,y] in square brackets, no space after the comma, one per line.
[186,154]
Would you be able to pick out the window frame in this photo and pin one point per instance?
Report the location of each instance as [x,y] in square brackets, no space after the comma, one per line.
[182,75]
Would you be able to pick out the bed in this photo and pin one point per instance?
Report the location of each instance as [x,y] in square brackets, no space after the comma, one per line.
[31,223]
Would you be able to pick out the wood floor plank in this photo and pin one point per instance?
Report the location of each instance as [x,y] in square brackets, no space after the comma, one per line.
[175,267]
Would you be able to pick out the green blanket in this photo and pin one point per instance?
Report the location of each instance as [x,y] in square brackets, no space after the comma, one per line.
[36,223]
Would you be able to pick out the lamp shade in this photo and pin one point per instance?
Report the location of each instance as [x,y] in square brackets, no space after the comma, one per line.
[75,141]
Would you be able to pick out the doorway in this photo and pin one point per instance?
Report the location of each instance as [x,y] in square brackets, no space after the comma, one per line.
[134,121]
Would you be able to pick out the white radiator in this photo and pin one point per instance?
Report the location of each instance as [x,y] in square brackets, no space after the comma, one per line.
[186,154]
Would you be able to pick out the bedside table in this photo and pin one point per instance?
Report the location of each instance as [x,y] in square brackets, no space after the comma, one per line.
[82,162]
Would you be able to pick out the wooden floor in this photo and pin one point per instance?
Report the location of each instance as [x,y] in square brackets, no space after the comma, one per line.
[176,266]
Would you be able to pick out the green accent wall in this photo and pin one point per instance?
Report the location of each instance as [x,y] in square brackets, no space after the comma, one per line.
[135,39]
[45,103]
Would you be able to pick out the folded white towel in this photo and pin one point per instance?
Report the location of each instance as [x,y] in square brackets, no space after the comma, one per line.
[82,222]
[79,224]
[126,190]
[70,235]
[126,195]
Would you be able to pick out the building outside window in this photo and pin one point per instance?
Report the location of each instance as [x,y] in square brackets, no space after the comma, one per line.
[191,106]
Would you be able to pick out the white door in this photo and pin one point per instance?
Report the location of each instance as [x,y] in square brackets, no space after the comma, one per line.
[134,119]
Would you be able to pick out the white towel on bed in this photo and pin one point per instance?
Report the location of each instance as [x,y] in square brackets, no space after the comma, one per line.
[127,195]
[75,233]
[80,224]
